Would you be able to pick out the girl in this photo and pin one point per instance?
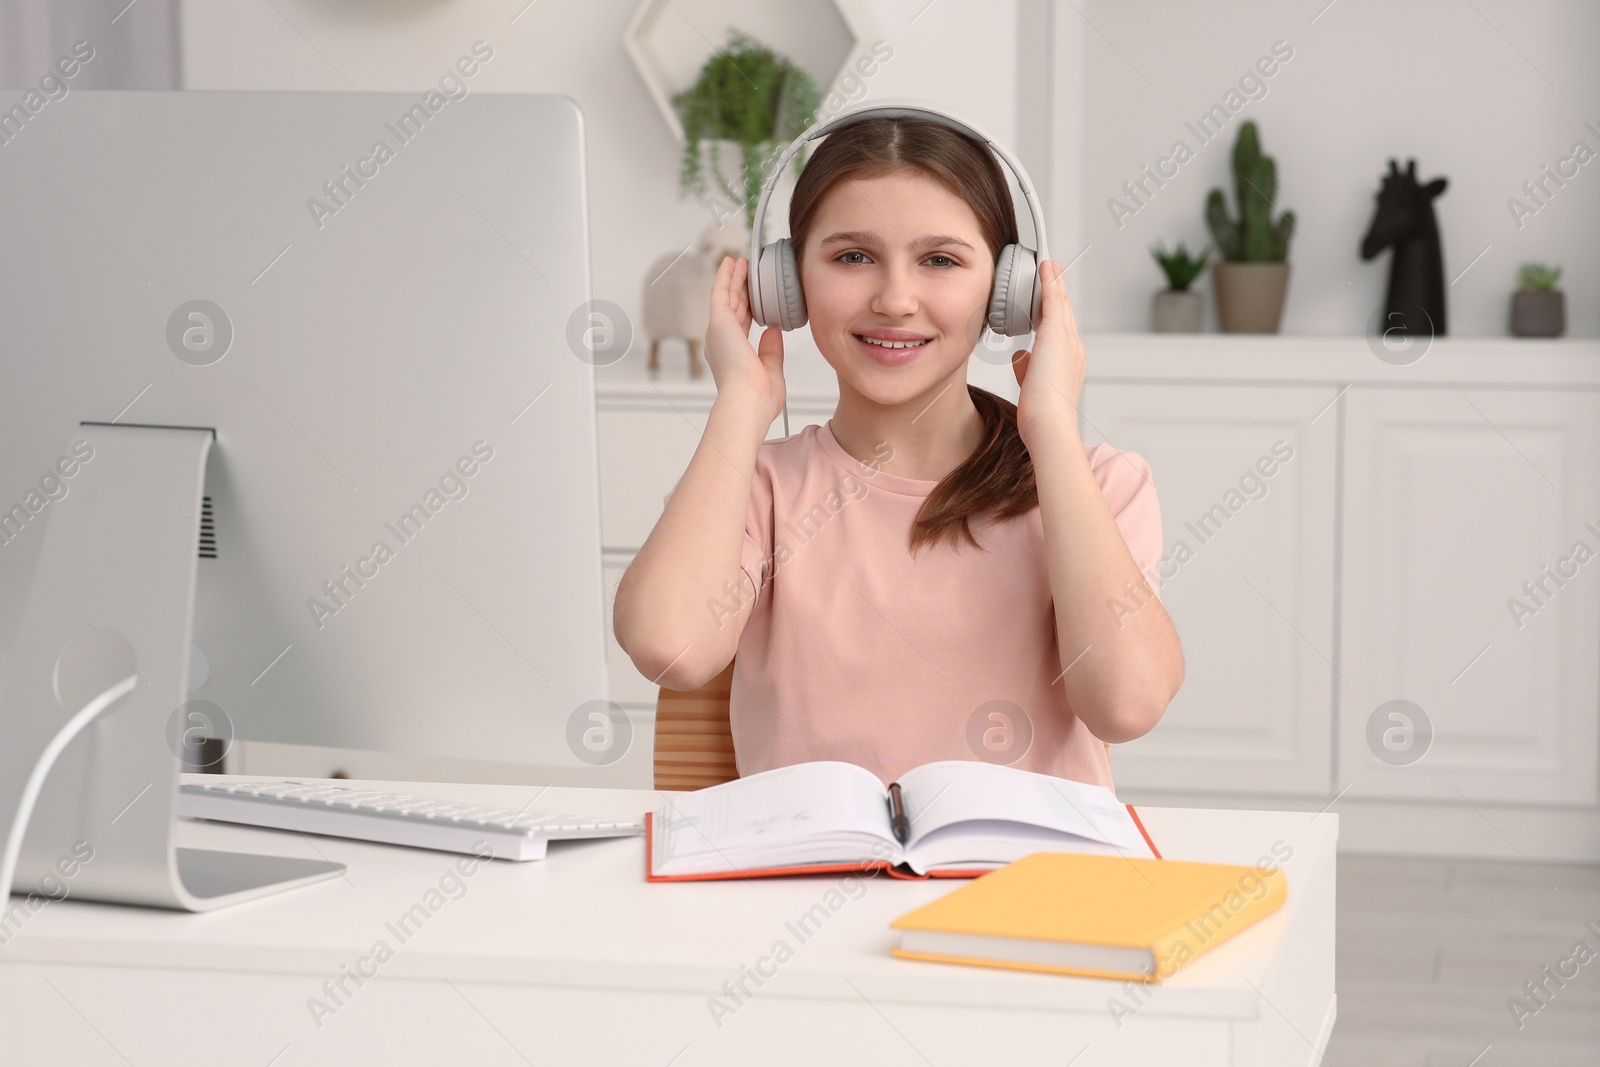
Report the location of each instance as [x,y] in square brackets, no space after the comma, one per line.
[936,573]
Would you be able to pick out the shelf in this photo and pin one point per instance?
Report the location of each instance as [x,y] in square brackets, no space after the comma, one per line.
[1338,359]
[1501,362]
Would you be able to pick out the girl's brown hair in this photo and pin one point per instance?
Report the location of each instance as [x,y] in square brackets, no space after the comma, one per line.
[998,476]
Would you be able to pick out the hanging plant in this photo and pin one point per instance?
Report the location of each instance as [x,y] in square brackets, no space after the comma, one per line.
[749,95]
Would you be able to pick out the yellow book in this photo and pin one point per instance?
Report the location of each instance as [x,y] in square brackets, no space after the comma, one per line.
[1102,916]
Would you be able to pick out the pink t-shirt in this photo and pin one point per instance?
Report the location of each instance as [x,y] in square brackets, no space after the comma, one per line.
[857,651]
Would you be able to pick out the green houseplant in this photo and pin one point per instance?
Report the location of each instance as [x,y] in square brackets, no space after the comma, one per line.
[1254,275]
[1537,307]
[1176,309]
[751,97]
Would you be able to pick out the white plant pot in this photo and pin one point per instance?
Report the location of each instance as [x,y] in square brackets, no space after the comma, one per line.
[1176,311]
[723,163]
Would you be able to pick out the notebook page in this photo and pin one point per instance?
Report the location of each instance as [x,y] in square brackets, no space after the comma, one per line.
[990,843]
[949,792]
[825,810]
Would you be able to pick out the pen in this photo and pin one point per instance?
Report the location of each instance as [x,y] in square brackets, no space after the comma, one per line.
[898,822]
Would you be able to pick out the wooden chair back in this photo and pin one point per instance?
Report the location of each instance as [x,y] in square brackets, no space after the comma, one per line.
[694,743]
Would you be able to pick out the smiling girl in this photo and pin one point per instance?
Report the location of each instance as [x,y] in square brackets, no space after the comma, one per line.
[935,573]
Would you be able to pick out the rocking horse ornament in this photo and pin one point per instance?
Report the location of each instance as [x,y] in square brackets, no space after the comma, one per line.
[1404,220]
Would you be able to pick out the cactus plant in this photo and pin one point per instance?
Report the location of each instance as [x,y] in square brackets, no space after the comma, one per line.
[1253,237]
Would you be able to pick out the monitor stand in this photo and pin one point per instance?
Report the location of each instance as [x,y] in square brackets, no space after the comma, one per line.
[111,611]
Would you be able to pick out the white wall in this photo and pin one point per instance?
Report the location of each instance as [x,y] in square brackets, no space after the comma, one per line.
[1483,99]
[955,52]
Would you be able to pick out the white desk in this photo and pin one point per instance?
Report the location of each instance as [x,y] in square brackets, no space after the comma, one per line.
[576,959]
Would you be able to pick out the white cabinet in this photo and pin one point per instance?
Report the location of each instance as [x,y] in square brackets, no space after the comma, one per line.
[643,453]
[1245,478]
[1460,503]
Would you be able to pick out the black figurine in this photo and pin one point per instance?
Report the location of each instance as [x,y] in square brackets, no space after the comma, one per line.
[1404,219]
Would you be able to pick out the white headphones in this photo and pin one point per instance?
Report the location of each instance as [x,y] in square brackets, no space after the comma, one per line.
[775,295]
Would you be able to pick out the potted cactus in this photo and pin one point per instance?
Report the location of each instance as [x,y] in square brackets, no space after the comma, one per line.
[1253,276]
[1537,307]
[1176,309]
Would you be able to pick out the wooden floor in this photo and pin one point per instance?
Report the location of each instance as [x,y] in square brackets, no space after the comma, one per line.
[1430,951]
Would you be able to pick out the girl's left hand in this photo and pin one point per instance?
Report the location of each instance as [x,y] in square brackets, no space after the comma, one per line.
[1051,373]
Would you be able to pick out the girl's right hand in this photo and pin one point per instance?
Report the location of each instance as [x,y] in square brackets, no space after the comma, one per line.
[739,371]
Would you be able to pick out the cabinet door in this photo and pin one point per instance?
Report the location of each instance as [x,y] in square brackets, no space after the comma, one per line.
[643,452]
[1247,579]
[1454,498]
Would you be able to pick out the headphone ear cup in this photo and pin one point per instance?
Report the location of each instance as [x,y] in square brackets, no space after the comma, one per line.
[782,304]
[791,298]
[760,273]
[1016,292]
[998,295]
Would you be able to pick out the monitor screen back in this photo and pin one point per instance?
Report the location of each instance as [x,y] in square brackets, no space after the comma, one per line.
[377,301]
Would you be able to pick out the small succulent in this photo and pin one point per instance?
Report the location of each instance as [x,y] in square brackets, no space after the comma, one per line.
[1537,277]
[1180,268]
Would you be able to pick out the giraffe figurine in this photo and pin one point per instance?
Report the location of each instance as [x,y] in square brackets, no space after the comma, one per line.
[1404,220]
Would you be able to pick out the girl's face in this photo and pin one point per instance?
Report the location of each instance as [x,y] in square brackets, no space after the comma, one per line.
[897,258]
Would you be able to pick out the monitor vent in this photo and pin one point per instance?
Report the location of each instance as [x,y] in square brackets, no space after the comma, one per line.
[208,531]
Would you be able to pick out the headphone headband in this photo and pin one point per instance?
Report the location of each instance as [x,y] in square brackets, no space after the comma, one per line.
[893,109]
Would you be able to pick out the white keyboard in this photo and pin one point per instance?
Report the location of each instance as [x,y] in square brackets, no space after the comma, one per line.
[391,818]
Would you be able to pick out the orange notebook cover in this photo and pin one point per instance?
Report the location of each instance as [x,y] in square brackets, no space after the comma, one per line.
[1096,915]
[830,868]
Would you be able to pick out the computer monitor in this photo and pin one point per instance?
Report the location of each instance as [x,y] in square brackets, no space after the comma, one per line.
[372,313]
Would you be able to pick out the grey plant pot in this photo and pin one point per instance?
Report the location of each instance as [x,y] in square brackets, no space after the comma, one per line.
[1538,314]
[1250,296]
[1176,311]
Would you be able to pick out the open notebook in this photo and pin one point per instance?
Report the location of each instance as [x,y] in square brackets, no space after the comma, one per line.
[966,817]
